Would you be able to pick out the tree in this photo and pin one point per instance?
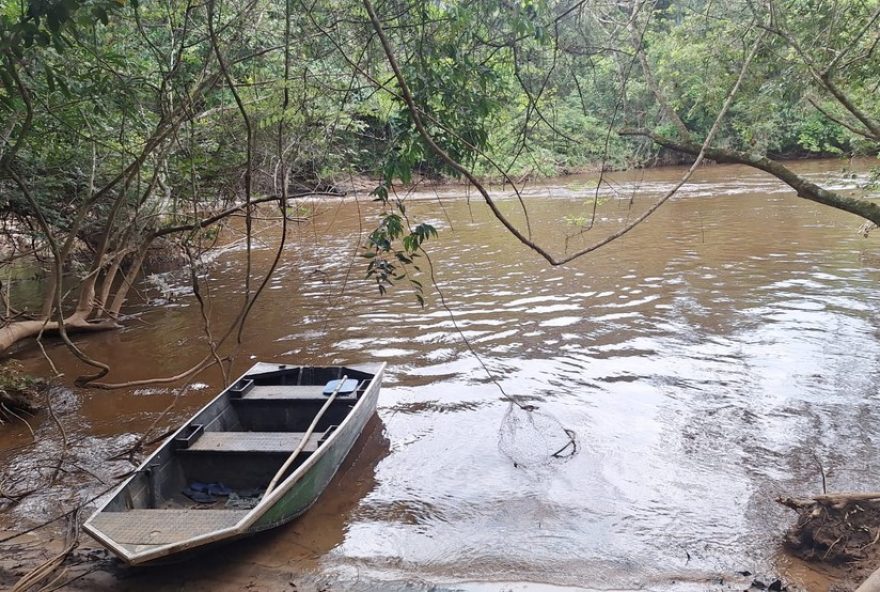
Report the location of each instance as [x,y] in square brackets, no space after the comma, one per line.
[720,81]
[131,126]
[807,59]
[90,137]
[128,127]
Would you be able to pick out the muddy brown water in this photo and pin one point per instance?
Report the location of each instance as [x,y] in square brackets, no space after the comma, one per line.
[707,362]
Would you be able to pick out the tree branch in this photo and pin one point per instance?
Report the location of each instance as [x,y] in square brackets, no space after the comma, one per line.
[805,189]
[205,222]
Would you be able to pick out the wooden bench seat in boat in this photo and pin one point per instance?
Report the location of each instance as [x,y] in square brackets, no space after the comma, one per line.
[292,393]
[253,442]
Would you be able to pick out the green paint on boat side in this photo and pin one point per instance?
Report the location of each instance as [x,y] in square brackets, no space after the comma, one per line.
[296,501]
[306,491]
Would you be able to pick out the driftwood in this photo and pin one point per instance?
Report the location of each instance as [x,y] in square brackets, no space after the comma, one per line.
[831,499]
[834,528]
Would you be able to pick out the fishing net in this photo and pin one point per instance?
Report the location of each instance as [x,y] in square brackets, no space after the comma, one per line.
[527,436]
[532,438]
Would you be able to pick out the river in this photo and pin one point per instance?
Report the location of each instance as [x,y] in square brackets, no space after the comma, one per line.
[712,359]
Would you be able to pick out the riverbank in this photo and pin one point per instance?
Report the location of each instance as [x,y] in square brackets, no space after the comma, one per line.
[666,159]
[246,566]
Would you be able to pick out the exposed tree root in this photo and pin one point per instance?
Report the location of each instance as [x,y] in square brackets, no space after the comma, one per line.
[16,402]
[18,395]
[835,528]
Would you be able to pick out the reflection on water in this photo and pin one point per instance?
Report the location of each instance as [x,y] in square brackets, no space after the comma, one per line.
[705,361]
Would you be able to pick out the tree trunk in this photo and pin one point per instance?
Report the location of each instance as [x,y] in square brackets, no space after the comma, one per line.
[107,284]
[15,332]
[128,279]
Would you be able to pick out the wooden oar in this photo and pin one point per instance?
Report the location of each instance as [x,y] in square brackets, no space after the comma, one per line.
[305,440]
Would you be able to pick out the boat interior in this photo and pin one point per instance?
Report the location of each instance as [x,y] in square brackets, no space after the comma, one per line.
[217,467]
[238,443]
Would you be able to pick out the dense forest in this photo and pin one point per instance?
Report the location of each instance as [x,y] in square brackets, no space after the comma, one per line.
[140,136]
[130,126]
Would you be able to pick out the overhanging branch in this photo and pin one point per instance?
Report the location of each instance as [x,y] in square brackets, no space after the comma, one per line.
[804,189]
[205,222]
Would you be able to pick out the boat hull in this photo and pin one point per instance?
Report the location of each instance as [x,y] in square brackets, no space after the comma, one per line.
[144,523]
[302,493]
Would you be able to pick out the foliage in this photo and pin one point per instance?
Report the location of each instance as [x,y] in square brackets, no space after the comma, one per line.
[13,378]
[124,121]
[387,263]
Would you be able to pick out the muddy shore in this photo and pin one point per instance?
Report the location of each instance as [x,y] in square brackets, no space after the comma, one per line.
[246,566]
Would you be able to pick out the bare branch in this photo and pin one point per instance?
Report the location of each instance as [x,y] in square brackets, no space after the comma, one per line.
[805,189]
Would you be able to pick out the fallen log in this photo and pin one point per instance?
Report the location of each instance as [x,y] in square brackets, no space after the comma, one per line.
[19,330]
